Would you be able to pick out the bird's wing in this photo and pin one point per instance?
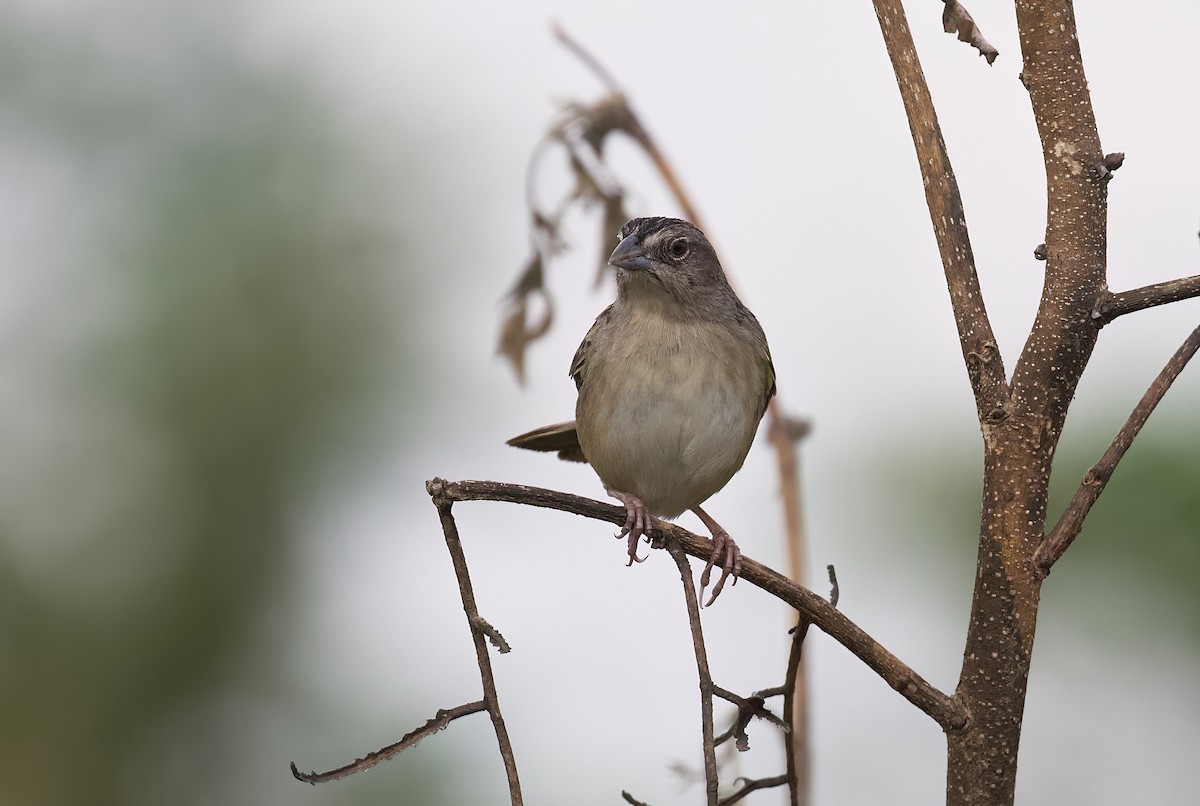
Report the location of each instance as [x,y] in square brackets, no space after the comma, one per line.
[579,362]
[770,382]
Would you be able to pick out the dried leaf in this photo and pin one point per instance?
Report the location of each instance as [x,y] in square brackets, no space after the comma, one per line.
[531,279]
[956,20]
[515,332]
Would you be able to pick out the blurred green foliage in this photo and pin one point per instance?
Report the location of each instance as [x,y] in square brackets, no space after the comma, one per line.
[202,325]
[1142,537]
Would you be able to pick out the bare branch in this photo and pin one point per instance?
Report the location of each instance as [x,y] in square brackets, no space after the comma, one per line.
[479,635]
[797,758]
[1094,481]
[1112,305]
[706,683]
[946,710]
[985,367]
[443,718]
[748,708]
[751,786]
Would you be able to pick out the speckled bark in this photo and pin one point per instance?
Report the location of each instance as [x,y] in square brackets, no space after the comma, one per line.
[1019,447]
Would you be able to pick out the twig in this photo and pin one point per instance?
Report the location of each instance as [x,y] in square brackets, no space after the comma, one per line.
[748,708]
[785,434]
[706,684]
[1113,305]
[1071,522]
[985,367]
[751,786]
[798,793]
[947,711]
[443,718]
[587,58]
[479,635]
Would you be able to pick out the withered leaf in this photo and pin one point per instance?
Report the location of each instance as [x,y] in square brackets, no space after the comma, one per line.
[515,332]
[956,20]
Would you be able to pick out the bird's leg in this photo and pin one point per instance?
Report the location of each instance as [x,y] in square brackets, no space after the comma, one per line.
[722,544]
[637,522]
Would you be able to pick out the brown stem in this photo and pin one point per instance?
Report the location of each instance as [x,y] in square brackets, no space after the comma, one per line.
[751,786]
[1094,481]
[785,434]
[943,709]
[985,367]
[443,718]
[479,636]
[1113,305]
[706,683]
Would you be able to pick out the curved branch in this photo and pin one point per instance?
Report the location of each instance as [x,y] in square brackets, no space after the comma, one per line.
[1094,481]
[985,367]
[944,709]
[1113,305]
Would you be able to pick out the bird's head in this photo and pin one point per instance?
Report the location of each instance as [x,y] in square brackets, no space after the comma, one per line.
[665,258]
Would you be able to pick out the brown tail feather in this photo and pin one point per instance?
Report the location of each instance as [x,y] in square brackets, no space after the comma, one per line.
[560,437]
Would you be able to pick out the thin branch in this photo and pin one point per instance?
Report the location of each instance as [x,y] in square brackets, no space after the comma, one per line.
[946,710]
[480,637]
[751,786]
[706,683]
[587,58]
[748,709]
[1094,481]
[443,718]
[799,794]
[785,434]
[1112,305]
[985,367]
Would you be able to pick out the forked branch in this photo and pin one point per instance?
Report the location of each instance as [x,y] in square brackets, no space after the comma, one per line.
[946,710]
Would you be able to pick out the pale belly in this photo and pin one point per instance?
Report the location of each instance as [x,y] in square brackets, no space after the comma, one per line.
[668,431]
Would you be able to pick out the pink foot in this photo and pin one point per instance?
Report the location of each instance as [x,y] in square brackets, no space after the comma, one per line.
[637,522]
[723,544]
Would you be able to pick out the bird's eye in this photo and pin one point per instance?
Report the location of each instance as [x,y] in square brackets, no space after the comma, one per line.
[678,248]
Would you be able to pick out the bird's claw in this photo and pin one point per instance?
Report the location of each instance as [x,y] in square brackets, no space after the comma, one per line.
[731,566]
[637,524]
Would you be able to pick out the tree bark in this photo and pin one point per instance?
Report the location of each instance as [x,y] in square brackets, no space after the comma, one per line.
[1019,446]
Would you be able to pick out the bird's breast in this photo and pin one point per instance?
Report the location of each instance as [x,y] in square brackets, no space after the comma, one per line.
[668,412]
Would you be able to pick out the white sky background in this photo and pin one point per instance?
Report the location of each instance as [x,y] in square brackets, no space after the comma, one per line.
[785,124]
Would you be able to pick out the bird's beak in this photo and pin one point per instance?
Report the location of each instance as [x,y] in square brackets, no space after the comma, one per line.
[629,255]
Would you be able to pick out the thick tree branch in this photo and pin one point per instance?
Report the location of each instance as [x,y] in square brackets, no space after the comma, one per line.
[985,367]
[1094,481]
[1112,305]
[943,709]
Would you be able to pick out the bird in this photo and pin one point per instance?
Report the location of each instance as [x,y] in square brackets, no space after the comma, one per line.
[672,380]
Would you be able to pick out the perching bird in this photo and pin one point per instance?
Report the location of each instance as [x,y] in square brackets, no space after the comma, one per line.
[673,379]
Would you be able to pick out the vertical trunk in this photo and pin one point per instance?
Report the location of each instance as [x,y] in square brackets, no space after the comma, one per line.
[982,760]
[1019,442]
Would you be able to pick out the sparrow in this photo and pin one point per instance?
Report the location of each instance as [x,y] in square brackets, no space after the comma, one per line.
[672,379]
